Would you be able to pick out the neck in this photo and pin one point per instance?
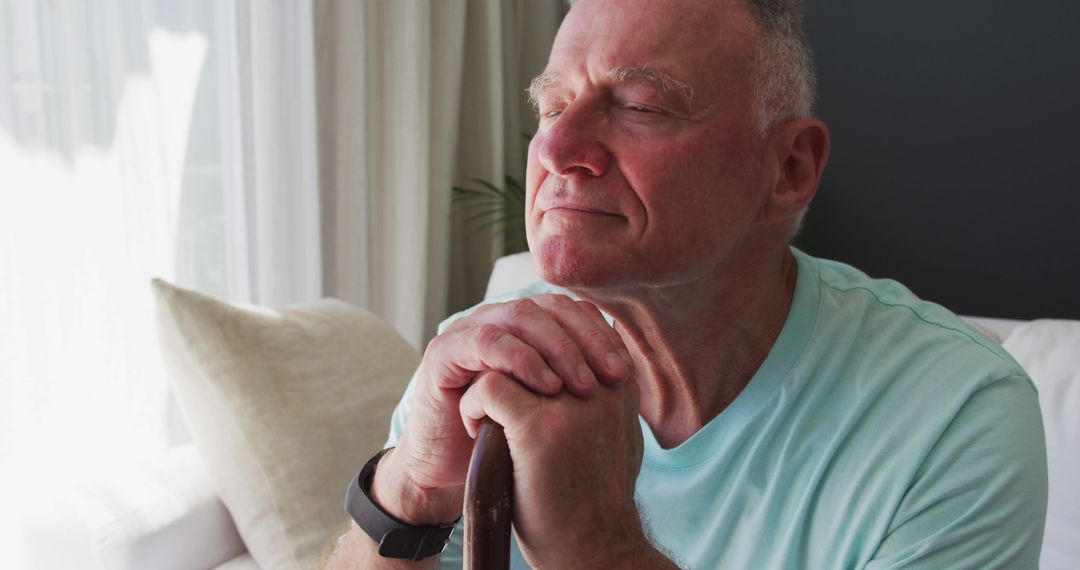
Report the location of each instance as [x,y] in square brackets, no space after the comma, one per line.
[696,345]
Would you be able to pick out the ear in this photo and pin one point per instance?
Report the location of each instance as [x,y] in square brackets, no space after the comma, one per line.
[800,149]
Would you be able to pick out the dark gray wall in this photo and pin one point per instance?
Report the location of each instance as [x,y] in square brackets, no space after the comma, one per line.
[955,163]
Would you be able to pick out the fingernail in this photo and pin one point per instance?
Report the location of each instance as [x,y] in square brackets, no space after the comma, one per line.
[550,379]
[585,375]
[616,364]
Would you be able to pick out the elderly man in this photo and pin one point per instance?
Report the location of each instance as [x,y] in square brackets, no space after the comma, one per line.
[751,406]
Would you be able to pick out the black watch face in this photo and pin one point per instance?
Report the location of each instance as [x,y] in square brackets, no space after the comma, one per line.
[413,544]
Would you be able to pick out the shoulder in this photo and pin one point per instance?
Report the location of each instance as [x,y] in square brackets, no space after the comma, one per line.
[978,497]
[954,417]
[882,319]
[915,370]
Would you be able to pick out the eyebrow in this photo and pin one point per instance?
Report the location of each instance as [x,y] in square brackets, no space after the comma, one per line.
[538,85]
[662,81]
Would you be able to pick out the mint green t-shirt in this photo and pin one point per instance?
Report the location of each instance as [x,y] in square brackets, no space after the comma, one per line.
[880,432]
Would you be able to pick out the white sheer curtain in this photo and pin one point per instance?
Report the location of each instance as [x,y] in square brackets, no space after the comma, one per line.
[138,138]
[413,96]
[270,152]
[106,154]
[390,73]
[506,46]
[283,190]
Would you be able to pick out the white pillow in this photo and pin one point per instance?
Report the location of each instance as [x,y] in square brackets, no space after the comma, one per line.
[1049,350]
[284,405]
[511,272]
[160,514]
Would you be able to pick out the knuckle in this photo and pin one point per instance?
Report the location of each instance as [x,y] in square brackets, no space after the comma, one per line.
[564,348]
[522,307]
[554,421]
[434,345]
[485,384]
[469,320]
[432,360]
[488,335]
[588,307]
[596,338]
[523,358]
[559,301]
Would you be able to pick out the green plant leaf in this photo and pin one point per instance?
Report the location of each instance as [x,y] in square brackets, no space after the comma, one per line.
[499,211]
[488,214]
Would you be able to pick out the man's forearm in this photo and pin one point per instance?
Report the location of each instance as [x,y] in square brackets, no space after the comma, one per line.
[355,549]
[390,490]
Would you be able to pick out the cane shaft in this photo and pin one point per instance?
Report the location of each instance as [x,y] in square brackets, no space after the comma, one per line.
[488,490]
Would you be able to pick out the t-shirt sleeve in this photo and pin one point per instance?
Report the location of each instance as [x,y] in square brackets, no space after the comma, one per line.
[979,499]
[401,413]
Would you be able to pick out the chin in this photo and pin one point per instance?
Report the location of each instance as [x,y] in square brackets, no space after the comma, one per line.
[578,266]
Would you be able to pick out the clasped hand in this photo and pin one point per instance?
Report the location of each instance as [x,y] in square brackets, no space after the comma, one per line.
[557,377]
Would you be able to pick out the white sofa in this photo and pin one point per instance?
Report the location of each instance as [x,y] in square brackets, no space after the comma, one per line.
[167,516]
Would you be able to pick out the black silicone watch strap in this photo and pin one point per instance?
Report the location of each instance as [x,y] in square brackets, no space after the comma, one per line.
[396,539]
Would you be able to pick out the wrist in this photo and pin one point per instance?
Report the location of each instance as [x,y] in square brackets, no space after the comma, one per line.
[399,495]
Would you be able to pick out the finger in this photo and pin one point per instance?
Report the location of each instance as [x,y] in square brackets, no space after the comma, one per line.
[496,396]
[616,341]
[464,353]
[595,343]
[594,313]
[537,328]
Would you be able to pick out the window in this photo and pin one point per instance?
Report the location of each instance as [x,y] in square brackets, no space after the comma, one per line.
[121,157]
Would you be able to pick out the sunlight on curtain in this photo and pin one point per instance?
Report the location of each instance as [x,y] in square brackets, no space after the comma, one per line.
[111,152]
[414,98]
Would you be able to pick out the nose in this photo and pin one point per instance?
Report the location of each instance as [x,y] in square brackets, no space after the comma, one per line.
[572,144]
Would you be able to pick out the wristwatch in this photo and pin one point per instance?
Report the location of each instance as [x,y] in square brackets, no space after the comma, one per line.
[396,539]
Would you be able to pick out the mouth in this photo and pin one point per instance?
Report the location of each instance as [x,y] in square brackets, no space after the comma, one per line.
[585,211]
[582,211]
[570,203]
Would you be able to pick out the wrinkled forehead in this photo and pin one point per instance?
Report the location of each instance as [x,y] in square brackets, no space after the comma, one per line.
[696,41]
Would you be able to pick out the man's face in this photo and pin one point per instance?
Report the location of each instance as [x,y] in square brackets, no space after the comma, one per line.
[646,168]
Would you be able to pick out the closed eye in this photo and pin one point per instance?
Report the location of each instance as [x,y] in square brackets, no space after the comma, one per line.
[640,110]
[549,111]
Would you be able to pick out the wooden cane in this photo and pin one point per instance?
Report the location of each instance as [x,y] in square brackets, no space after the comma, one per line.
[488,489]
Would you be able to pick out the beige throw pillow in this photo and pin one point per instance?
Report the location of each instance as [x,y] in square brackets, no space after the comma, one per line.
[285,405]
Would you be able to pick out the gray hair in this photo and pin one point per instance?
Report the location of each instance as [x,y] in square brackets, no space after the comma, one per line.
[785,81]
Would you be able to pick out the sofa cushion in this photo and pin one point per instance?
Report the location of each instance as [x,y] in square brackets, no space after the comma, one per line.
[1050,352]
[243,562]
[284,405]
[160,514]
